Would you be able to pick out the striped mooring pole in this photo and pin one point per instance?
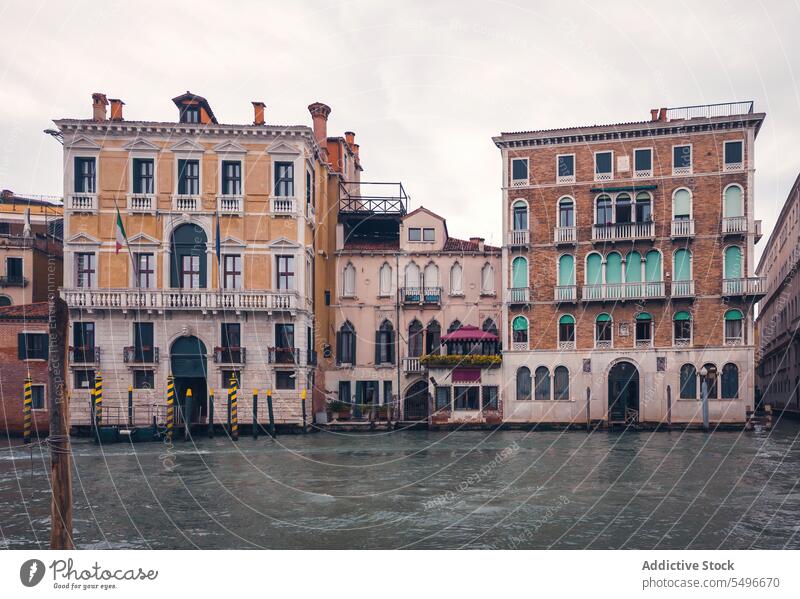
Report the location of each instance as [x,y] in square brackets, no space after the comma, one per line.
[210,413]
[170,406]
[27,407]
[255,413]
[232,396]
[130,406]
[303,394]
[98,399]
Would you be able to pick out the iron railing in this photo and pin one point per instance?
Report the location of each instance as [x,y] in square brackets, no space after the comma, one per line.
[372,197]
[140,355]
[710,110]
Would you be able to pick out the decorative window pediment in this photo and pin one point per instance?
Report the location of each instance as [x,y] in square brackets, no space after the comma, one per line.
[230,147]
[187,146]
[81,142]
[83,239]
[142,239]
[141,145]
[283,243]
[283,149]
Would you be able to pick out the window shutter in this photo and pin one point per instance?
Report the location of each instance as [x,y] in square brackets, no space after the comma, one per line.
[181,177]
[377,347]
[21,353]
[203,269]
[392,342]
[353,347]
[338,347]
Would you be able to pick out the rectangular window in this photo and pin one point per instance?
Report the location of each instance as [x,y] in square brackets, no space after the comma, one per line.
[415,234]
[37,397]
[603,169]
[681,160]
[643,162]
[190,272]
[466,398]
[733,331]
[284,379]
[84,379]
[32,346]
[190,114]
[285,278]
[143,379]
[83,343]
[231,177]
[188,177]
[230,343]
[85,175]
[145,270]
[143,350]
[14,271]
[227,375]
[683,331]
[309,191]
[428,235]
[344,391]
[284,343]
[734,155]
[143,170]
[232,271]
[519,170]
[604,330]
[565,167]
[442,398]
[84,270]
[284,179]
[490,398]
[387,392]
[643,330]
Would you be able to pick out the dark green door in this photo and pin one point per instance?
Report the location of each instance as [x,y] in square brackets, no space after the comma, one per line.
[623,393]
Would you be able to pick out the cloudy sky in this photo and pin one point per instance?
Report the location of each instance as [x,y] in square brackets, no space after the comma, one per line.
[423,84]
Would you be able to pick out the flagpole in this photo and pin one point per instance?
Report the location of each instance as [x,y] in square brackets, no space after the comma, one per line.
[127,244]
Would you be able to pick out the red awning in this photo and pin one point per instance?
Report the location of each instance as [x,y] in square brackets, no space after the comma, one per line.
[466,375]
[470,333]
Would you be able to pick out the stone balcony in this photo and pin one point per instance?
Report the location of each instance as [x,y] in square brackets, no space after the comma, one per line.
[230,205]
[623,291]
[141,203]
[81,202]
[565,235]
[682,228]
[283,206]
[748,287]
[623,232]
[519,238]
[518,295]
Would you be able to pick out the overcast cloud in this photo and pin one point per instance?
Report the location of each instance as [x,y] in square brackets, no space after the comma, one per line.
[423,84]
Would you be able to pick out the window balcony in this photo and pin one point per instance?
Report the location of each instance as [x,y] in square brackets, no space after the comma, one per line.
[140,355]
[623,291]
[412,366]
[566,345]
[565,235]
[230,355]
[599,344]
[643,343]
[643,174]
[732,167]
[565,293]
[757,231]
[603,176]
[519,346]
[284,355]
[84,355]
[565,179]
[623,231]
[421,295]
[519,182]
[13,281]
[283,206]
[518,295]
[186,203]
[734,225]
[682,289]
[680,171]
[82,202]
[682,342]
[734,340]
[519,238]
[751,287]
[141,203]
[682,228]
[231,205]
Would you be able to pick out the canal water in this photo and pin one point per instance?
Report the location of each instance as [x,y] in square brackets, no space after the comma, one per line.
[413,489]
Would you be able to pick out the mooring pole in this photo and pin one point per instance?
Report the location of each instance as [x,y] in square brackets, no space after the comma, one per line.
[303,404]
[234,391]
[271,415]
[229,411]
[170,406]
[669,406]
[27,409]
[255,413]
[130,406]
[60,451]
[210,413]
[704,394]
[187,414]
[588,409]
[98,403]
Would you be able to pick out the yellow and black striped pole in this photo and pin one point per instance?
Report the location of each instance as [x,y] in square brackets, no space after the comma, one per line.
[232,394]
[27,407]
[98,398]
[303,394]
[170,406]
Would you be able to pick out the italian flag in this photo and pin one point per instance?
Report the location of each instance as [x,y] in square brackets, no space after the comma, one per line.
[122,238]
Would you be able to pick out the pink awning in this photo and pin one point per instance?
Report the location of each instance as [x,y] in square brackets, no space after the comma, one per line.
[466,375]
[469,333]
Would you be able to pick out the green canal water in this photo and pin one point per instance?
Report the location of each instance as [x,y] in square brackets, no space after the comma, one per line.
[413,489]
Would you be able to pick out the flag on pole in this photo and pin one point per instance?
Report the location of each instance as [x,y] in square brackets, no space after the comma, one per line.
[122,238]
[218,243]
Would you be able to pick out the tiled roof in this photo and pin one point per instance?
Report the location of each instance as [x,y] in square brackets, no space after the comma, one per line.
[461,245]
[37,311]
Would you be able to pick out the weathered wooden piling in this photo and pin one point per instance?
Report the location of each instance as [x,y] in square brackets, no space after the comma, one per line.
[255,413]
[27,409]
[170,406]
[210,413]
[271,415]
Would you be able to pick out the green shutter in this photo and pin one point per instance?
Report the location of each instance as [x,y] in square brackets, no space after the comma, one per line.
[733,315]
[682,316]
[633,268]
[643,317]
[603,318]
[519,324]
[733,201]
[594,266]
[566,319]
[681,204]
[519,273]
[566,270]
[682,268]
[733,262]
[614,268]
[652,266]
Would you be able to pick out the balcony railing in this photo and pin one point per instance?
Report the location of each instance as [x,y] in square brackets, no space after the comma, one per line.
[566,345]
[141,203]
[682,228]
[603,176]
[230,355]
[519,346]
[230,204]
[518,295]
[412,365]
[284,355]
[421,295]
[565,235]
[13,281]
[565,293]
[82,202]
[734,225]
[643,343]
[682,289]
[565,178]
[84,355]
[186,203]
[283,206]
[601,344]
[744,287]
[181,299]
[681,170]
[710,110]
[737,340]
[730,167]
[140,355]
[623,231]
[519,238]
[623,291]
[757,232]
[375,198]
[643,174]
[519,182]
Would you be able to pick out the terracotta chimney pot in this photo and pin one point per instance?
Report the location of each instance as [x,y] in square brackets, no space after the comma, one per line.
[116,109]
[99,103]
[258,113]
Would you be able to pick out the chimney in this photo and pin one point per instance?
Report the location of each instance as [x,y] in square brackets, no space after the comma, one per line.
[258,113]
[350,138]
[319,116]
[654,114]
[479,241]
[662,115]
[99,104]
[6,194]
[116,109]
[355,151]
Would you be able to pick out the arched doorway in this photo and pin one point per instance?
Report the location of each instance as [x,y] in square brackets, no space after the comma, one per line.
[188,363]
[415,406]
[623,393]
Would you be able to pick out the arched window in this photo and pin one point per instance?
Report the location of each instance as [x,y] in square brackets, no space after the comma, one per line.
[519,273]
[604,327]
[5,300]
[487,279]
[682,265]
[520,216]
[346,344]
[489,326]
[454,326]
[433,337]
[456,279]
[566,329]
[412,275]
[682,328]
[594,269]
[523,383]
[732,203]
[384,343]
[633,267]
[188,260]
[385,279]
[415,339]
[566,270]
[542,384]
[652,267]
[561,383]
[603,211]
[644,207]
[733,327]
[623,208]
[519,327]
[349,287]
[644,328]
[614,275]
[711,380]
[566,212]
[431,275]
[688,389]
[681,205]
[733,262]
[730,381]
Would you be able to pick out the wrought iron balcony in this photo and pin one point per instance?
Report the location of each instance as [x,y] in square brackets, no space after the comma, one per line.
[421,295]
[519,238]
[565,293]
[373,198]
[518,295]
[311,357]
[565,235]
[140,355]
[84,354]
[623,291]
[13,281]
[682,228]
[284,355]
[753,287]
[623,231]
[230,355]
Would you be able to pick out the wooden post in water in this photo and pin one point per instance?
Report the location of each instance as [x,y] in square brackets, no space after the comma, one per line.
[187,414]
[255,413]
[27,409]
[170,407]
[98,404]
[588,410]
[60,450]
[669,405]
[130,406]
[271,415]
[233,394]
[210,413]
[303,402]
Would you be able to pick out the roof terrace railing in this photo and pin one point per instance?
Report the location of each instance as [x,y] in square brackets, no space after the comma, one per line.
[372,197]
[710,110]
